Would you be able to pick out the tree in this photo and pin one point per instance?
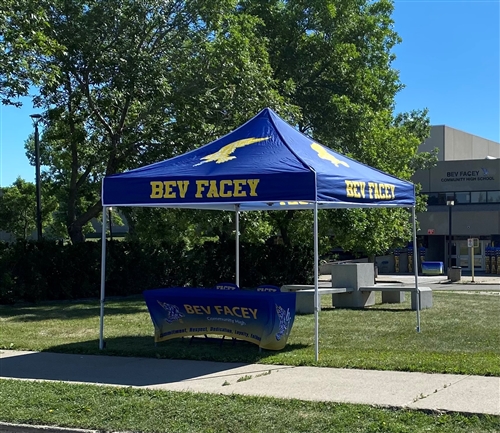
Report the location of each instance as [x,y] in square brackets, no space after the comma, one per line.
[22,43]
[141,81]
[333,60]
[135,82]
[18,210]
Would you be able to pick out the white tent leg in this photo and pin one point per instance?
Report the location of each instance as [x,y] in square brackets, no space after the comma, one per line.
[103,277]
[415,265]
[316,277]
[237,211]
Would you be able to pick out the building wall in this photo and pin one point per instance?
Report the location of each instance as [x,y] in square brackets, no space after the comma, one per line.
[468,173]
[460,145]
[6,237]
[464,175]
[466,221]
[435,140]
[454,144]
[451,179]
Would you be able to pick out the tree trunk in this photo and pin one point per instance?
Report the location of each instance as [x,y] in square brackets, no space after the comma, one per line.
[75,228]
[75,233]
[284,225]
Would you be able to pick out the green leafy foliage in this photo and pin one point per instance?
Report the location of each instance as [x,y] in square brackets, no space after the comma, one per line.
[23,42]
[138,82]
[333,60]
[125,83]
[39,271]
[18,210]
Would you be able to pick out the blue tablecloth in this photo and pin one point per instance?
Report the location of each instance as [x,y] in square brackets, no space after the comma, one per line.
[262,318]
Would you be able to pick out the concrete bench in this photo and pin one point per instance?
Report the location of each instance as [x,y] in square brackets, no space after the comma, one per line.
[395,294]
[304,301]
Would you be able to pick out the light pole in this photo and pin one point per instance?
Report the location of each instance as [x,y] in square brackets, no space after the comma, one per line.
[450,202]
[36,119]
[110,223]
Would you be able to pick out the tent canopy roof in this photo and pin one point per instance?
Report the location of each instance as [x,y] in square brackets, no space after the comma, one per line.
[265,164]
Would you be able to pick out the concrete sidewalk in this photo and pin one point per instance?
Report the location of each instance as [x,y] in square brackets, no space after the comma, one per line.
[437,392]
[487,282]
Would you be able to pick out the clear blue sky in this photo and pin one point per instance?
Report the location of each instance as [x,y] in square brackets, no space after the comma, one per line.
[448,60]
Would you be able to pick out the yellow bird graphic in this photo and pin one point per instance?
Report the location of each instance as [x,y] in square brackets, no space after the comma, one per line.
[324,154]
[224,153]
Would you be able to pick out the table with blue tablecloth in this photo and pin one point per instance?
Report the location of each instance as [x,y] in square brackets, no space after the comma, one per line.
[262,318]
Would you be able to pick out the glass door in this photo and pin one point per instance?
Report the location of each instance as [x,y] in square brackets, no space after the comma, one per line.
[464,253]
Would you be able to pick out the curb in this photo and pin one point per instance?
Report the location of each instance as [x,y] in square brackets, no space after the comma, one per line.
[470,283]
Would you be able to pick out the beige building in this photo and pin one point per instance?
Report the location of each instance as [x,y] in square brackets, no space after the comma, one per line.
[464,198]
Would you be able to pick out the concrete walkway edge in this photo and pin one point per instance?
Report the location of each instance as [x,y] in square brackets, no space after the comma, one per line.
[423,391]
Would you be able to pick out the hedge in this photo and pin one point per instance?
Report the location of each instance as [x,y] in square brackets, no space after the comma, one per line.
[41,271]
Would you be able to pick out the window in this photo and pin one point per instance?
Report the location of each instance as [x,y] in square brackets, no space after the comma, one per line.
[462,197]
[440,198]
[478,197]
[436,198]
[493,196]
[432,198]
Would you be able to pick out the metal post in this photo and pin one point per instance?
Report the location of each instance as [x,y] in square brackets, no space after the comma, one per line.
[450,202]
[110,224]
[237,212]
[415,266]
[316,283]
[449,238]
[36,118]
[103,279]
[472,261]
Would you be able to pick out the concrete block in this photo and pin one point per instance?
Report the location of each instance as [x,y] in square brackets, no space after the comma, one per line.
[393,297]
[326,268]
[425,298]
[304,300]
[355,299]
[304,303]
[353,275]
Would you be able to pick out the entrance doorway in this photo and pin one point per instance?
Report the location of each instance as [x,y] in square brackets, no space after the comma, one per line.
[461,255]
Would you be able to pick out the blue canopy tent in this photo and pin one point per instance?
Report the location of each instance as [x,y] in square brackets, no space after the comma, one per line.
[265,164]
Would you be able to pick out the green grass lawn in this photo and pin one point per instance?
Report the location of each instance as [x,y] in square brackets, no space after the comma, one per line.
[460,334]
[134,410]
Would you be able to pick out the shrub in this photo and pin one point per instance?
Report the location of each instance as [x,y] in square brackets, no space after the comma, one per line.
[37,271]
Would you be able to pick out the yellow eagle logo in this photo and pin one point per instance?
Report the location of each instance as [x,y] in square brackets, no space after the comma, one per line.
[324,154]
[224,153]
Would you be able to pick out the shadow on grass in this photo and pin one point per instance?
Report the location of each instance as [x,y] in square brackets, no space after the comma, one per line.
[155,365]
[391,310]
[372,309]
[66,310]
[198,349]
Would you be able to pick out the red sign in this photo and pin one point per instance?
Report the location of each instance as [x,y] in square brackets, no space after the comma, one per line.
[430,231]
